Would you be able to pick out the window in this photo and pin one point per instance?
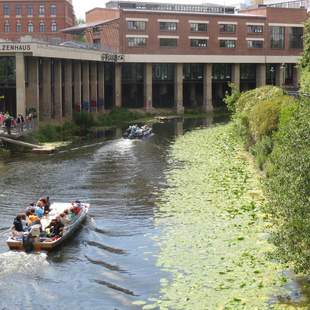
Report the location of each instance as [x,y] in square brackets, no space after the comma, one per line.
[296,37]
[196,27]
[7,27]
[30,27]
[227,28]
[228,43]
[18,26]
[53,10]
[255,43]
[255,29]
[136,42]
[42,27]
[199,43]
[168,26]
[168,42]
[221,72]
[277,37]
[136,25]
[29,10]
[248,71]
[18,10]
[41,10]
[54,27]
[6,10]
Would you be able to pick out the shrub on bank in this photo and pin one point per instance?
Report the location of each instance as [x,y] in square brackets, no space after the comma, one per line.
[288,187]
[118,116]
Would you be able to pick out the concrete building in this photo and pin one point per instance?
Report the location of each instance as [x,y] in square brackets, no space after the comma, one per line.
[178,58]
[39,19]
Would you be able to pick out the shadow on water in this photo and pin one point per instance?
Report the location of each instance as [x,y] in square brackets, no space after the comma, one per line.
[112,259]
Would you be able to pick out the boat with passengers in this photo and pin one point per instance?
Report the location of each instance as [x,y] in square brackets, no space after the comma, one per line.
[37,237]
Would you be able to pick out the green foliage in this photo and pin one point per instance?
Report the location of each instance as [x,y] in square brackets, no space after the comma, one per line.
[250,98]
[287,111]
[84,120]
[261,150]
[118,116]
[264,116]
[257,112]
[288,186]
[305,60]
[305,81]
[232,98]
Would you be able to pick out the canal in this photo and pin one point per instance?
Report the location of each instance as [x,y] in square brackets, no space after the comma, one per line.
[112,260]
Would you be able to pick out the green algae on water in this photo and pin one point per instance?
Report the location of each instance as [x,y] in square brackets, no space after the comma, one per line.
[214,232]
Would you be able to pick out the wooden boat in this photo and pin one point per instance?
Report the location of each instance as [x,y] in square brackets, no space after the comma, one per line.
[47,244]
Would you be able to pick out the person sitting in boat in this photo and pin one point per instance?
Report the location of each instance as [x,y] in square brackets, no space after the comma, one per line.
[76,207]
[44,204]
[64,218]
[31,216]
[39,209]
[55,228]
[18,228]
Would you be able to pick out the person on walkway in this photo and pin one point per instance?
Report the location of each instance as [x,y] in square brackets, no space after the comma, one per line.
[8,123]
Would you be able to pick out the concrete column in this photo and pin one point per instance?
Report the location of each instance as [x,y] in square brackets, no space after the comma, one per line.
[280,75]
[236,75]
[93,87]
[77,85]
[32,91]
[68,89]
[118,85]
[207,88]
[260,75]
[148,87]
[178,86]
[46,101]
[20,84]
[85,86]
[57,90]
[100,106]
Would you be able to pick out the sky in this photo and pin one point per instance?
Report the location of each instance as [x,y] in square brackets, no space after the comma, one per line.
[81,6]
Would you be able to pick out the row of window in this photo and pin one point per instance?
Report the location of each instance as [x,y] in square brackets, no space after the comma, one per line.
[194,27]
[29,9]
[223,43]
[30,27]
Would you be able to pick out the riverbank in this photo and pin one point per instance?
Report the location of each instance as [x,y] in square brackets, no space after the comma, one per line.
[214,231]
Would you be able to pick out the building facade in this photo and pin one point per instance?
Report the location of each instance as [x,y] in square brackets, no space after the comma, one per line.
[43,20]
[152,59]
[189,55]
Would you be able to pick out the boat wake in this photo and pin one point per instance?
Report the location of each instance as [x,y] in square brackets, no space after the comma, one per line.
[20,262]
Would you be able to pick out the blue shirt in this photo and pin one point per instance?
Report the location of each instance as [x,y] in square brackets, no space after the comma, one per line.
[39,212]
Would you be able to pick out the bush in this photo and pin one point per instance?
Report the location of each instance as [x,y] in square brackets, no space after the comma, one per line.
[232,98]
[83,120]
[288,188]
[49,133]
[250,98]
[261,150]
[287,112]
[264,116]
[117,116]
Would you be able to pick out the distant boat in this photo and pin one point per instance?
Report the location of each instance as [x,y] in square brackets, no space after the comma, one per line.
[48,244]
[136,132]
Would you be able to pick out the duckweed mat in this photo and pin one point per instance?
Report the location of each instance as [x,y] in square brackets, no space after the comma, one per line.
[214,231]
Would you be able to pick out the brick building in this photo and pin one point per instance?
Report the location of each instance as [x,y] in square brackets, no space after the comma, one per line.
[36,19]
[154,56]
[186,55]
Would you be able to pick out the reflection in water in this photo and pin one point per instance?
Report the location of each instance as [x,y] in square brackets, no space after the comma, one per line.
[108,264]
